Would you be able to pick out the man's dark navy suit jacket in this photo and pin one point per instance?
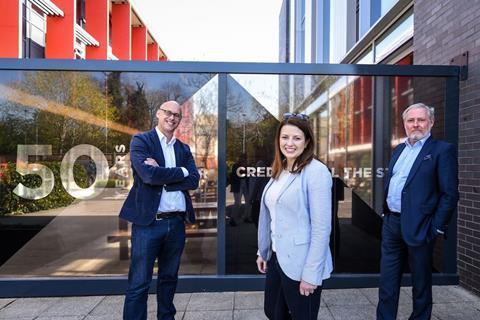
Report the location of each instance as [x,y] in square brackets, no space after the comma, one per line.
[143,200]
[430,194]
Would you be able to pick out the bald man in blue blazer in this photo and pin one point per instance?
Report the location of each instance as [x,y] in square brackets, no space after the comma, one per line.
[158,205]
[421,194]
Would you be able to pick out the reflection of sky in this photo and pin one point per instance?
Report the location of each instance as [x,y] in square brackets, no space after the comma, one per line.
[243,106]
[208,93]
[189,83]
[263,87]
[8,76]
[8,108]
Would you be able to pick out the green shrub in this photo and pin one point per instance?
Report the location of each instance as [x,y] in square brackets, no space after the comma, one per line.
[10,203]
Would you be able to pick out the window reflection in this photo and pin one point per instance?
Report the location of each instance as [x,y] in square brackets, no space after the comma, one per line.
[66,136]
[64,234]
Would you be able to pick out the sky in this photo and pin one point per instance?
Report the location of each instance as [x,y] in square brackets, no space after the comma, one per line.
[214,30]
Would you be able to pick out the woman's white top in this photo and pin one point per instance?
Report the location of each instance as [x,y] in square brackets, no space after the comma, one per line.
[271,198]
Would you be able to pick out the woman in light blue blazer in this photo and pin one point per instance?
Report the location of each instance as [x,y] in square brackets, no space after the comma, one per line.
[294,224]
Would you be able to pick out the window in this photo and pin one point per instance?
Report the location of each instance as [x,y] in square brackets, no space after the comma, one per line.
[34,26]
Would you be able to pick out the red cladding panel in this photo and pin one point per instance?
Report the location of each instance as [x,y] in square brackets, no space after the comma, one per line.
[139,43]
[60,37]
[153,52]
[121,34]
[96,16]
[10,28]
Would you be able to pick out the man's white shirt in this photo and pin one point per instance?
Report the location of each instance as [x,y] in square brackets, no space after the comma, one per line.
[174,200]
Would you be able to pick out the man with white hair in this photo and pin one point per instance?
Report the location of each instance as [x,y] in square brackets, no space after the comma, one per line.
[421,194]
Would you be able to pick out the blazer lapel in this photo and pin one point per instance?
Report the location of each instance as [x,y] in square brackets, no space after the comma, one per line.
[418,161]
[158,152]
[177,150]
[269,184]
[289,181]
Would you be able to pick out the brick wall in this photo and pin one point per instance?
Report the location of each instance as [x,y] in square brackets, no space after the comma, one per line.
[444,29]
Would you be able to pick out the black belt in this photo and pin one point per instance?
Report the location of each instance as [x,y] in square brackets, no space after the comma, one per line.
[396,214]
[167,215]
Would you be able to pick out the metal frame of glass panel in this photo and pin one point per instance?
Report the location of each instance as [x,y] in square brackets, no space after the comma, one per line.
[68,286]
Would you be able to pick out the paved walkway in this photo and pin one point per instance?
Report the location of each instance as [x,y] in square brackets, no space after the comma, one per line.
[450,302]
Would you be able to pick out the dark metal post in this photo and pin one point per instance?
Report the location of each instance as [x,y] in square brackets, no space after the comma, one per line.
[380,138]
[222,171]
[451,135]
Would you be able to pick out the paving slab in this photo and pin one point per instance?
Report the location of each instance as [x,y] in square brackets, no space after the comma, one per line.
[212,301]
[60,318]
[26,307]
[250,314]
[72,306]
[181,301]
[5,302]
[325,314]
[110,306]
[372,296]
[353,312]
[248,300]
[103,317]
[459,310]
[153,315]
[349,304]
[448,294]
[208,315]
[344,297]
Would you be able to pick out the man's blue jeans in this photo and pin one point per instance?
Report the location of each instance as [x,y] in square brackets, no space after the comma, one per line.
[165,240]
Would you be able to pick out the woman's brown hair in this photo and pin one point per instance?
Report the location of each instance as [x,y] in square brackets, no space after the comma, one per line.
[279,162]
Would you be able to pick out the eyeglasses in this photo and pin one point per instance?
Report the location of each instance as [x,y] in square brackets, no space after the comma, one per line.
[300,116]
[169,113]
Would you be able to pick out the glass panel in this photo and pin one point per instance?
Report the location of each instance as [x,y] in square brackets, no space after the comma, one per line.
[367,58]
[69,134]
[252,110]
[341,110]
[400,32]
[56,225]
[387,5]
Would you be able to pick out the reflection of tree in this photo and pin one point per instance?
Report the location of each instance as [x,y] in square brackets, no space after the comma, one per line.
[155,98]
[14,129]
[75,90]
[204,127]
[260,125]
[114,90]
[136,113]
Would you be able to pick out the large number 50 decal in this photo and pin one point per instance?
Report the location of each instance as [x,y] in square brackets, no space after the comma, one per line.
[66,171]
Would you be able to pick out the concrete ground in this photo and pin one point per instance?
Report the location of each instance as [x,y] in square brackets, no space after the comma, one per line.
[450,302]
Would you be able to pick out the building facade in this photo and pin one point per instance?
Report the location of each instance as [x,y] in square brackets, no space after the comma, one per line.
[401,32]
[65,129]
[76,29]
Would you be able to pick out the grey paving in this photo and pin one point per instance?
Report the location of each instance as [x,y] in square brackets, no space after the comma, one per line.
[208,315]
[343,297]
[450,303]
[353,312]
[248,300]
[71,306]
[252,314]
[216,301]
[27,308]
[372,295]
[5,302]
